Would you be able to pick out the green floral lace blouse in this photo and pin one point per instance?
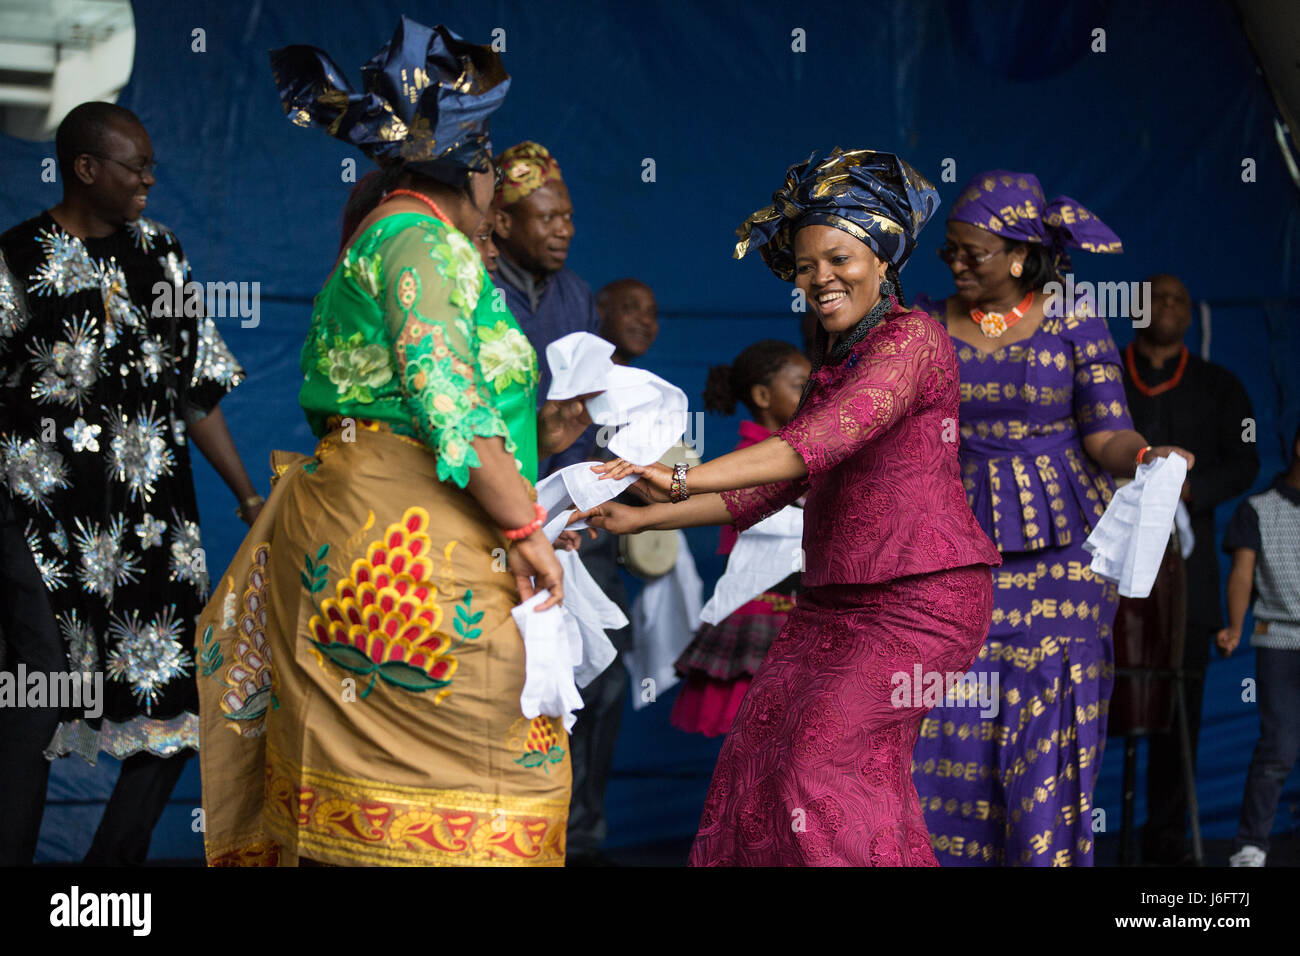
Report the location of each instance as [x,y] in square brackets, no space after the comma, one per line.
[408,330]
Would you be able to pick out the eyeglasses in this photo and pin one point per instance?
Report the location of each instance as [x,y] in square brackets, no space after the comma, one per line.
[146,170]
[950,254]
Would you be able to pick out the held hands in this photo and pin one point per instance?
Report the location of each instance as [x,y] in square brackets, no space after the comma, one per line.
[614,518]
[570,540]
[653,485]
[1227,640]
[533,557]
[560,423]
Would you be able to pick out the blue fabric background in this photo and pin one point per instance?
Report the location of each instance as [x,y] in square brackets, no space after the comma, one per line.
[1151,135]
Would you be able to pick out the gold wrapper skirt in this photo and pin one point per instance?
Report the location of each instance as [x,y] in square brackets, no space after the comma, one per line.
[360,673]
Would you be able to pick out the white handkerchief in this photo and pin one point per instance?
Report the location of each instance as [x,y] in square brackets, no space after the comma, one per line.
[665,616]
[576,487]
[580,363]
[764,555]
[1183,521]
[628,392]
[551,493]
[588,489]
[548,662]
[1112,535]
[574,635]
[592,613]
[556,524]
[651,410]
[1129,541]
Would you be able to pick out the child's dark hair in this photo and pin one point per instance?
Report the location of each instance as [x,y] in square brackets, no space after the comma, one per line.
[729,384]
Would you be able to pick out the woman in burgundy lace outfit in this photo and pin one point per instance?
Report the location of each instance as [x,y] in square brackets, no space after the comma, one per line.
[817,767]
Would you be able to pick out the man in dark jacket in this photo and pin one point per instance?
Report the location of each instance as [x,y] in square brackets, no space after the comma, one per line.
[534,226]
[1179,399]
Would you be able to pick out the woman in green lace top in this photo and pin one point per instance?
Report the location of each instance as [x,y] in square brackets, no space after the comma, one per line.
[404,332]
[361,646]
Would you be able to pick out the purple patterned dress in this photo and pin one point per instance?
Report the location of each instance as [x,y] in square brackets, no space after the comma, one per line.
[1015,787]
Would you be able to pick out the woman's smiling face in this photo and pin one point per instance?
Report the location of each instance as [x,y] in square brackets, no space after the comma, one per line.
[840,276]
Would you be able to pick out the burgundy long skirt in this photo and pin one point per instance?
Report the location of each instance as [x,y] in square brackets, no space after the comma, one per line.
[817,768]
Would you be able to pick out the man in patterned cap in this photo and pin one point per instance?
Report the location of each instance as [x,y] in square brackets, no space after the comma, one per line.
[533,230]
[101,569]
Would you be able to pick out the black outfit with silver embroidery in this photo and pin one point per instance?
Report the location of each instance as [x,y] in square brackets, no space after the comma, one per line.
[95,394]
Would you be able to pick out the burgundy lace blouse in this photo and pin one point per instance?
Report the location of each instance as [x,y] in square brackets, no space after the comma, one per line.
[879,434]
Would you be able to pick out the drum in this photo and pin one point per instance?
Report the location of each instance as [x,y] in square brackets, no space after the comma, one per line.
[650,554]
[1149,635]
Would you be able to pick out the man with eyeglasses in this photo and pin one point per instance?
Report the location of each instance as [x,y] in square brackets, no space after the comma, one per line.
[102,388]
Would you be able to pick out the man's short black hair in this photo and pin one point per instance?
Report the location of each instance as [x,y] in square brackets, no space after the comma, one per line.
[84,130]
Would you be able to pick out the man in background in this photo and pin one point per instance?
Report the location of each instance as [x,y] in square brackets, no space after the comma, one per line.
[628,319]
[1179,399]
[104,387]
[534,227]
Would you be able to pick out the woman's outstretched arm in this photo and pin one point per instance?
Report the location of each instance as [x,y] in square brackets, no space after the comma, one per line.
[908,357]
[698,511]
[765,463]
[770,461]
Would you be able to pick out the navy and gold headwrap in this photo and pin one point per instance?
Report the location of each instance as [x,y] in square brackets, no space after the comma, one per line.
[428,95]
[875,197]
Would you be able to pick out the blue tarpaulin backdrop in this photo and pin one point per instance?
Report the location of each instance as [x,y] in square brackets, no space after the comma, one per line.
[1151,133]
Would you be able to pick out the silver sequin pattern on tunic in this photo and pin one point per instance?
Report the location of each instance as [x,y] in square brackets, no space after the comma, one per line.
[95,394]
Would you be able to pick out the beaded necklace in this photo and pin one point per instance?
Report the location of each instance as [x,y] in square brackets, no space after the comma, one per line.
[1152,390]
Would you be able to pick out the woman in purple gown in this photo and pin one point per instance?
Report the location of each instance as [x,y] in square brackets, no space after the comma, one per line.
[1044,426]
[816,768]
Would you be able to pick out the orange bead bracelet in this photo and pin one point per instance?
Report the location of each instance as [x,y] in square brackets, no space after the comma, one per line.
[518,534]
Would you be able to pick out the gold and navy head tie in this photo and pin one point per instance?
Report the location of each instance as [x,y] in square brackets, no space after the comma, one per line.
[875,197]
[425,100]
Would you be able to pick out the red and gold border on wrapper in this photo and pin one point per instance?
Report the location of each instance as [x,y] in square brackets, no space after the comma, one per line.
[257,854]
[357,822]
